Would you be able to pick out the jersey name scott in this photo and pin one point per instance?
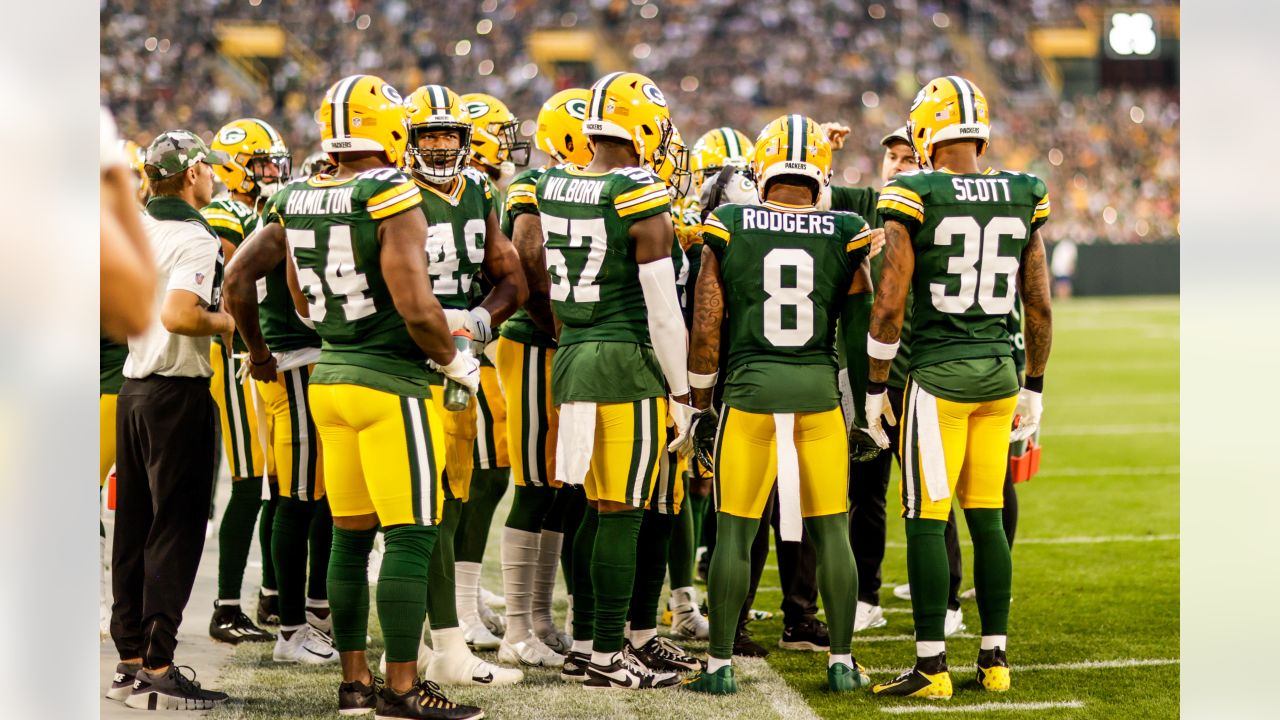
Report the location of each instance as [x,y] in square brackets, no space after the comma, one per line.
[331,201]
[574,190]
[759,219]
[982,189]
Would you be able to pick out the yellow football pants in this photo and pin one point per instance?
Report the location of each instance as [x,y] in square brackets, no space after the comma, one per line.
[532,420]
[106,436]
[668,493]
[491,422]
[630,438]
[294,443]
[746,462]
[965,442]
[381,454]
[459,445]
[240,437]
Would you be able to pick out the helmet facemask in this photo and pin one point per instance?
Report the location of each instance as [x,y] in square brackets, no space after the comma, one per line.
[438,165]
[264,185]
[517,150]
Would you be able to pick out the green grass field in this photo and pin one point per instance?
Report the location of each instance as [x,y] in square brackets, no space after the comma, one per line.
[1094,626]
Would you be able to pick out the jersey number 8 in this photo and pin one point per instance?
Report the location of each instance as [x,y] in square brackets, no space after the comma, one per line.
[781,296]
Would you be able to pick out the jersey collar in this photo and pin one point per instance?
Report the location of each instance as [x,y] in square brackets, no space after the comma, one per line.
[453,197]
[786,207]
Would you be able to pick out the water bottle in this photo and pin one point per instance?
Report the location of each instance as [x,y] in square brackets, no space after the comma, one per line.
[456,395]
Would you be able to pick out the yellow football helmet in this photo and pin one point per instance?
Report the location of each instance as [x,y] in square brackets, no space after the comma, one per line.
[948,108]
[559,131]
[629,107]
[500,129]
[137,158]
[791,145]
[251,143]
[362,113]
[432,109]
[717,148]
[673,167]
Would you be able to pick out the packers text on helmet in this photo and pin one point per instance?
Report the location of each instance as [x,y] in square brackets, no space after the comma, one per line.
[792,145]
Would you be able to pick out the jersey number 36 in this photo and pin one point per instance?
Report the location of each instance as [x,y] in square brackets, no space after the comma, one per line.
[979,265]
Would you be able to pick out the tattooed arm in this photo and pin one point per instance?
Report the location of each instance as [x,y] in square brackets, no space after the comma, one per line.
[891,293]
[1033,286]
[708,314]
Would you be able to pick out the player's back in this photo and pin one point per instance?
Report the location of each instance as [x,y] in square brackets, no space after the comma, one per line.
[332,230]
[595,281]
[786,273]
[968,232]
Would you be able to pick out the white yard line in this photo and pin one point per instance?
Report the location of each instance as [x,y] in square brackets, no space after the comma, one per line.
[983,708]
[905,638]
[782,697]
[1148,470]
[1080,540]
[1117,399]
[1126,429]
[1083,665]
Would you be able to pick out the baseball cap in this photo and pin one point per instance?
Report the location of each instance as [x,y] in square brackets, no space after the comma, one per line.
[176,150]
[899,135]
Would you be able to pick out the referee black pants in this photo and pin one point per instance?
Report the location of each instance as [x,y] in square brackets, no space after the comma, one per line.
[166,450]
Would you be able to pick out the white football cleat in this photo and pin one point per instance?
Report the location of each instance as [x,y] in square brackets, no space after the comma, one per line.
[307,645]
[902,592]
[478,637]
[457,668]
[868,616]
[954,622]
[490,600]
[531,652]
[496,623]
[323,624]
[687,621]
[557,640]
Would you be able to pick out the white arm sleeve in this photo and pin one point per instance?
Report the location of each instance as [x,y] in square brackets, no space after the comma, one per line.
[666,323]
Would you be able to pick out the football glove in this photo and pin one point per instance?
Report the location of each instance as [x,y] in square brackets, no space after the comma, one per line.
[703,429]
[474,321]
[1027,415]
[878,407]
[861,447]
[464,369]
[681,415]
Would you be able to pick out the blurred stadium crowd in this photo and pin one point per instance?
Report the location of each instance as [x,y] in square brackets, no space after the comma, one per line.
[1110,158]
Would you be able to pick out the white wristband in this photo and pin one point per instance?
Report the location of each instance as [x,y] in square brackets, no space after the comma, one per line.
[702,382]
[879,350]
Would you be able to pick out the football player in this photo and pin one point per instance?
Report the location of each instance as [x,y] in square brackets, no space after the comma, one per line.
[356,241]
[965,243]
[259,165]
[608,238]
[534,537]
[463,241]
[496,147]
[782,273]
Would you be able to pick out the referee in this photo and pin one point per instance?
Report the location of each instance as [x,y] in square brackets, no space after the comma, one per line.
[165,421]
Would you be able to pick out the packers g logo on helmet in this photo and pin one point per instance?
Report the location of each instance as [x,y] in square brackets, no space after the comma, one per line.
[948,108]
[559,132]
[435,109]
[629,107]
[252,146]
[496,143]
[362,113]
[792,145]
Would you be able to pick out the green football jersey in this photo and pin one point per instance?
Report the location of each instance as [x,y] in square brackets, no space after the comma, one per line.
[281,327]
[111,359]
[968,233]
[332,229]
[232,221]
[522,198]
[786,273]
[455,238]
[595,280]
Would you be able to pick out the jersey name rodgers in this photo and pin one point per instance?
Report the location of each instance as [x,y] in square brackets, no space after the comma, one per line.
[968,232]
[595,281]
[522,198]
[332,230]
[786,274]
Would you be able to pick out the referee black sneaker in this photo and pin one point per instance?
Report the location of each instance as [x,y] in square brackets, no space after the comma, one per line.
[356,698]
[744,646]
[808,635]
[171,690]
[122,682]
[423,701]
[230,625]
[575,666]
[268,609]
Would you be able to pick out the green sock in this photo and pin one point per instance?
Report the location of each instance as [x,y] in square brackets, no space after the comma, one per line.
[613,575]
[529,506]
[487,489]
[321,540]
[289,554]
[349,587]
[401,601]
[652,553]
[698,511]
[265,521]
[992,568]
[572,504]
[584,600]
[441,604]
[728,580]
[930,578]
[683,547]
[837,576]
[235,535]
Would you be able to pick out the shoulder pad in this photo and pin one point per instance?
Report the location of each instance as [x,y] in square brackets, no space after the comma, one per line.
[388,174]
[638,174]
